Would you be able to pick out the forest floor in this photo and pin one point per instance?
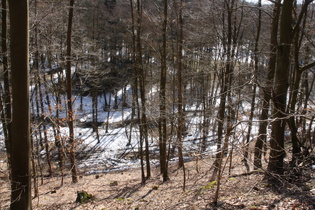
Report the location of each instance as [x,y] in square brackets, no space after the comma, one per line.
[123,190]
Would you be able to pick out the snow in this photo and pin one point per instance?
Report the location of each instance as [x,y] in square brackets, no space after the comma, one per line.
[108,153]
[111,151]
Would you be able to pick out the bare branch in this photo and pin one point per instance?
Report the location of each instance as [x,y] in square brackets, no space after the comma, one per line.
[307,66]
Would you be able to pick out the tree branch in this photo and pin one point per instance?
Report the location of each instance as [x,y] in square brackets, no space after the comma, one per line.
[307,66]
[303,11]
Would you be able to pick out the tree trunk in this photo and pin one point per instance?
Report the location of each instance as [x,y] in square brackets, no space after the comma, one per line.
[297,76]
[56,130]
[297,73]
[277,152]
[225,87]
[179,83]
[135,78]
[162,121]
[95,113]
[34,171]
[256,60]
[20,147]
[108,111]
[69,95]
[6,91]
[262,132]
[41,100]
[142,78]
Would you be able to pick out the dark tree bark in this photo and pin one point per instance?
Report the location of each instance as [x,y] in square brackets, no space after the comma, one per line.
[279,99]
[34,169]
[179,6]
[142,78]
[256,64]
[262,132]
[69,95]
[135,78]
[295,86]
[139,78]
[162,121]
[95,112]
[179,83]
[20,147]
[226,80]
[281,85]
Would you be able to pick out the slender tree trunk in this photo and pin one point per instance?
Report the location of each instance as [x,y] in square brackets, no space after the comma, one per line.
[43,122]
[262,132]
[35,154]
[142,78]
[297,76]
[180,122]
[220,172]
[139,80]
[95,113]
[179,6]
[225,84]
[108,111]
[40,167]
[256,60]
[135,79]
[69,95]
[251,116]
[115,100]
[56,130]
[162,121]
[20,147]
[6,91]
[38,116]
[59,140]
[39,89]
[297,73]
[34,171]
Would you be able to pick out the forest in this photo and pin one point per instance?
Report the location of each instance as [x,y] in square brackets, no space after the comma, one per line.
[157,104]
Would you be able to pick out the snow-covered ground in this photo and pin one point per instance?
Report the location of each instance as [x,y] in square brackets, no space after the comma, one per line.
[112,151]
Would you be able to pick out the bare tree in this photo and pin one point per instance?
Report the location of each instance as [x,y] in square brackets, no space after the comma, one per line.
[229,44]
[179,7]
[6,113]
[281,84]
[20,145]
[69,95]
[296,78]
[277,152]
[262,132]
[256,67]
[163,120]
